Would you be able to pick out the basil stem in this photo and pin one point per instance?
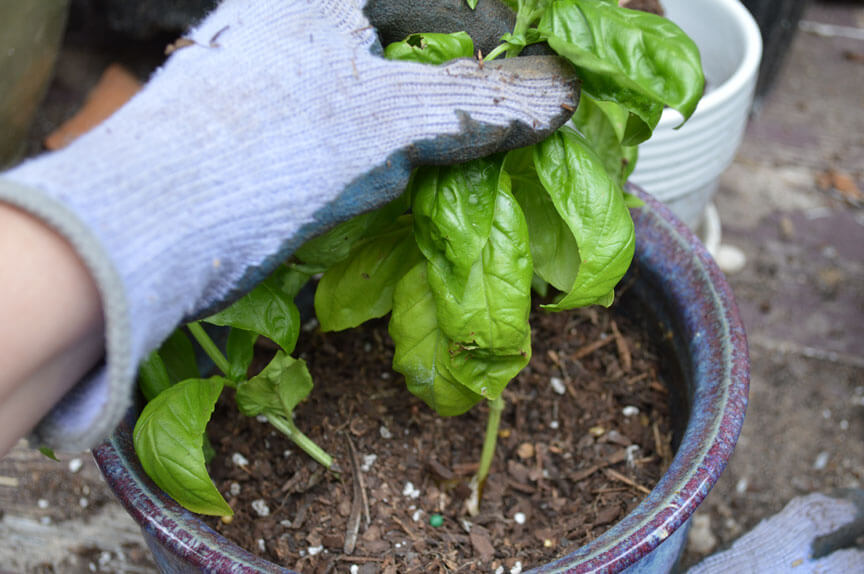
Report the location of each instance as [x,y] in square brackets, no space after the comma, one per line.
[288,428]
[210,347]
[496,406]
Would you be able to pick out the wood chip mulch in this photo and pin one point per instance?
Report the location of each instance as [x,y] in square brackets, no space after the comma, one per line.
[585,435]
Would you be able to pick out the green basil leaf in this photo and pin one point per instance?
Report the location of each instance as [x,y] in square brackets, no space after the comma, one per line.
[178,355]
[207,450]
[629,157]
[267,310]
[488,313]
[640,126]
[361,287]
[633,201]
[594,122]
[615,113]
[239,351]
[483,373]
[280,387]
[450,379]
[293,280]
[49,453]
[472,3]
[168,439]
[453,211]
[153,377]
[592,205]
[553,247]
[540,286]
[639,60]
[431,48]
[326,250]
[607,299]
[531,36]
[422,349]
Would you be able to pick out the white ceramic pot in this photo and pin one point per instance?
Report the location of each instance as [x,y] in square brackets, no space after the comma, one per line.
[681,167]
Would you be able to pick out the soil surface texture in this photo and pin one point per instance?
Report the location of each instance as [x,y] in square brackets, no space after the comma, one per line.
[584,436]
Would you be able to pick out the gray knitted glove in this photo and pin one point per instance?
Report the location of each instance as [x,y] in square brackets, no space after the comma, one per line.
[814,534]
[278,122]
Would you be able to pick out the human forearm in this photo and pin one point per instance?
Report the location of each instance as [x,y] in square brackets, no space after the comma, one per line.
[50,321]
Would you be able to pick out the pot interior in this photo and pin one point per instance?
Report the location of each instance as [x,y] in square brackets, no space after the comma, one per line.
[687,304]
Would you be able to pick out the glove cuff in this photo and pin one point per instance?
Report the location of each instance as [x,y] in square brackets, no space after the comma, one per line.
[97,403]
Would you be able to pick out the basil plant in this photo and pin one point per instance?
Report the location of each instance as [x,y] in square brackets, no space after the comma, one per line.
[453,261]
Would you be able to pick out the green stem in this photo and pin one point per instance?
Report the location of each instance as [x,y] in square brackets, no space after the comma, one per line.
[210,348]
[289,429]
[478,481]
[500,49]
[490,440]
[528,13]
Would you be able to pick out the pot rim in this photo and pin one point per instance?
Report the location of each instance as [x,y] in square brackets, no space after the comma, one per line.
[677,265]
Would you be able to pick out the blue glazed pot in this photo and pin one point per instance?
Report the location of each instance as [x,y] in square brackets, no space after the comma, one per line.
[688,298]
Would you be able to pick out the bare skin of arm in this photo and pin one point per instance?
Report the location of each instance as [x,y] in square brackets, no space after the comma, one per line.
[51,323]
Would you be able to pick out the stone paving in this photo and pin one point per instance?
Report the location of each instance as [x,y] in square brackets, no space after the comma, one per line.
[792,202]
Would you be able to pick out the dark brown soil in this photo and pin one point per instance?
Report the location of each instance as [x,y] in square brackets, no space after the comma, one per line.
[569,463]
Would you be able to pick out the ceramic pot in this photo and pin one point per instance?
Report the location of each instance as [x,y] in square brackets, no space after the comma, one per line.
[673,278]
[30,35]
[681,167]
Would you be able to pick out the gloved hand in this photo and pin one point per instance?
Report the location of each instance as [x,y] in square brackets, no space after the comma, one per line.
[813,534]
[394,21]
[278,122]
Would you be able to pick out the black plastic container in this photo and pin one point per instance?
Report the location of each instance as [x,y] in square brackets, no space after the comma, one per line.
[778,21]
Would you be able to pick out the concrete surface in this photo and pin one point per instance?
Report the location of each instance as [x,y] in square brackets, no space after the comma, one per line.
[801,294]
[792,202]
